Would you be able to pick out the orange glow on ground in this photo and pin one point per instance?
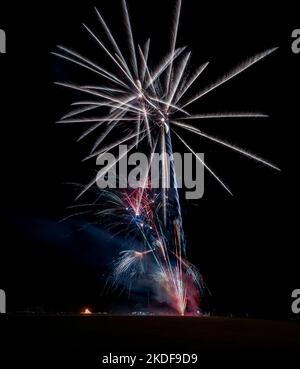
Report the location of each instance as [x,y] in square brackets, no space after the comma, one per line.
[86,311]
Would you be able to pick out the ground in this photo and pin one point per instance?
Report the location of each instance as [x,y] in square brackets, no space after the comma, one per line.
[56,341]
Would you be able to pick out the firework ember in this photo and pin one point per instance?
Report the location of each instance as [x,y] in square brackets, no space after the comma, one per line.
[145,106]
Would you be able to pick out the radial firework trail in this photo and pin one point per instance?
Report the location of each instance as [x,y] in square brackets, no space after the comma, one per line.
[145,106]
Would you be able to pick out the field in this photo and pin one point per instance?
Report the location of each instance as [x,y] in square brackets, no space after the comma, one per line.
[71,340]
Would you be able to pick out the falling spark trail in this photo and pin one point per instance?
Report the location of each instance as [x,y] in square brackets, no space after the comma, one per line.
[112,39]
[94,181]
[103,136]
[112,146]
[107,89]
[223,143]
[109,54]
[174,41]
[168,105]
[191,81]
[178,79]
[145,53]
[203,163]
[99,95]
[165,64]
[147,72]
[91,120]
[96,69]
[231,75]
[130,38]
[78,112]
[227,115]
[90,130]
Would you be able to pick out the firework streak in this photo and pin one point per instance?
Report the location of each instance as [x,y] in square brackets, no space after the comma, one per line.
[146,106]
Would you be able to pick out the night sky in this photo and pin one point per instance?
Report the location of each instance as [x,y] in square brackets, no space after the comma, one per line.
[245,246]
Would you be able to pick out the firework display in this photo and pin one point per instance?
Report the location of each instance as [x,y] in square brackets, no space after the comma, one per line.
[146,107]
